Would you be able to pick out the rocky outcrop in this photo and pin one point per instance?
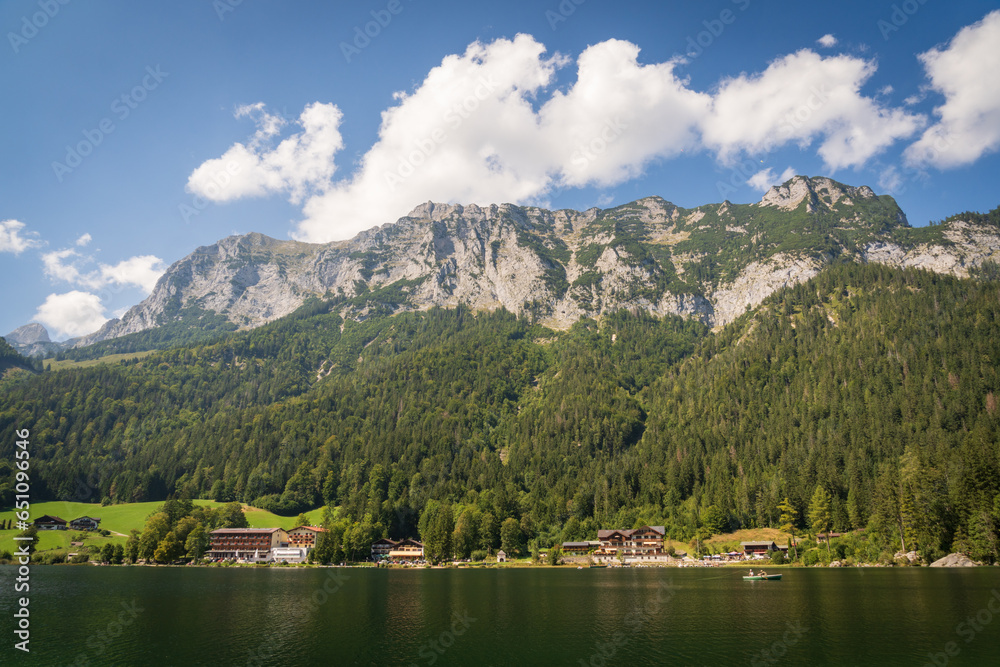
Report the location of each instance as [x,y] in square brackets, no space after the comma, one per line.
[955,560]
[711,263]
[32,340]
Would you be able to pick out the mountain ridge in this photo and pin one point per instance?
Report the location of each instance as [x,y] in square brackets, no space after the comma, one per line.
[710,263]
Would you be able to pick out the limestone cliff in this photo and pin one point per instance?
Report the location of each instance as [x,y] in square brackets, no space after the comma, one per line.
[710,263]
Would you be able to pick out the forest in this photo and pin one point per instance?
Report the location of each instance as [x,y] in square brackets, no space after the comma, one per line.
[871,388]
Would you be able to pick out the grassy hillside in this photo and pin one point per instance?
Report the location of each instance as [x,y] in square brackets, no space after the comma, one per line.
[121,519]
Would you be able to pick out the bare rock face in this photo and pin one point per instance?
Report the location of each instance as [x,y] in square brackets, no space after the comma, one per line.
[28,334]
[32,340]
[711,263]
[955,560]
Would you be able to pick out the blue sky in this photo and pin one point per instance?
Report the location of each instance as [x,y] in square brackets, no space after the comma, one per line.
[133,133]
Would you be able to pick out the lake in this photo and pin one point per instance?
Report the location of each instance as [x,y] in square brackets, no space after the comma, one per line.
[214,616]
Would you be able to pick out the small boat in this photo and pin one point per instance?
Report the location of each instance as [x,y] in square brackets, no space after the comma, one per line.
[764,577]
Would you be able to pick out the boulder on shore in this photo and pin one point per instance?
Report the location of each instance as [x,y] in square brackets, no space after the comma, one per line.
[955,560]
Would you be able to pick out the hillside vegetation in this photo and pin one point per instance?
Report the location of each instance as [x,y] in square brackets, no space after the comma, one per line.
[877,386]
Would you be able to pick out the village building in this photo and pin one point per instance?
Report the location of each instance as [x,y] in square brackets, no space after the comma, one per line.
[644,541]
[381,548]
[759,549]
[289,554]
[50,523]
[501,556]
[579,548]
[85,523]
[407,550]
[304,537]
[251,544]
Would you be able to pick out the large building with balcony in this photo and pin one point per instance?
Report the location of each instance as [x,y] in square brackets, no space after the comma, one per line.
[250,544]
[304,537]
[645,541]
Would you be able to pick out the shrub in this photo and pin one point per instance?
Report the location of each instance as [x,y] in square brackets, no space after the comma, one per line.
[777,558]
[478,555]
[811,557]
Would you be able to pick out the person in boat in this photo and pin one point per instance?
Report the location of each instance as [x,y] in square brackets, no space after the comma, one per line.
[751,573]
[762,574]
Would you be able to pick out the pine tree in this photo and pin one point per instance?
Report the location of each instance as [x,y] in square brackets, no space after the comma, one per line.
[789,515]
[819,514]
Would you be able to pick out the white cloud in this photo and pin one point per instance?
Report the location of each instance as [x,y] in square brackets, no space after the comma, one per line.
[301,162]
[964,72]
[84,240]
[71,314]
[56,266]
[799,98]
[467,133]
[11,238]
[764,179]
[827,41]
[890,180]
[141,271]
[483,127]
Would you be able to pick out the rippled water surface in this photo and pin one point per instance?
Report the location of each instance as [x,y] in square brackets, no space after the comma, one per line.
[201,616]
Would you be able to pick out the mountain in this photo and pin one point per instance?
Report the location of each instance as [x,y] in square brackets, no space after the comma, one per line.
[876,384]
[32,340]
[710,263]
[631,380]
[12,362]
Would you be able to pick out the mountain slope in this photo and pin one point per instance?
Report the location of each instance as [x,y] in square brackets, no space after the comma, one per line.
[709,263]
[877,384]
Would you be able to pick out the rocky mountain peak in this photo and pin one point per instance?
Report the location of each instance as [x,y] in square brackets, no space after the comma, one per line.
[28,335]
[710,262]
[818,192]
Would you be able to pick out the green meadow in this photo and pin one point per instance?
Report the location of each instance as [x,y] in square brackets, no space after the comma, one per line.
[120,520]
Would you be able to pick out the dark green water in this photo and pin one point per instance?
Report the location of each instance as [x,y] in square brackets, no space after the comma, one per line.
[176,616]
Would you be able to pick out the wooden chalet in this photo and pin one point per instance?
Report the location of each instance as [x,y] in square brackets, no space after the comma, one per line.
[382,548]
[579,548]
[644,541]
[751,549]
[50,523]
[85,523]
[407,550]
